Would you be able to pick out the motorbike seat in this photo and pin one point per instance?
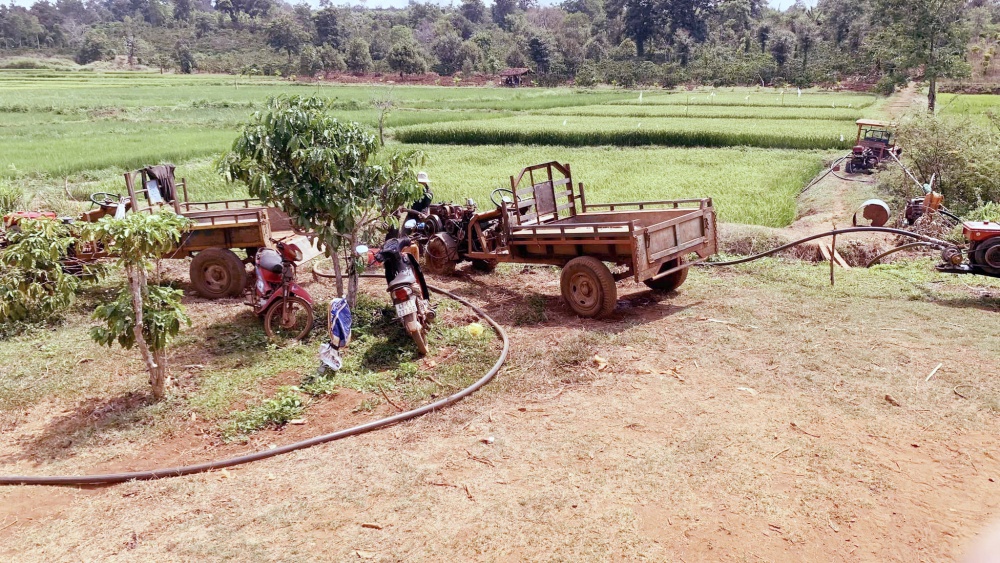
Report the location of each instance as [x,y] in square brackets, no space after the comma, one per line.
[270,260]
[404,277]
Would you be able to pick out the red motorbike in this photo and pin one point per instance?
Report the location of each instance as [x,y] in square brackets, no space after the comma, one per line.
[287,309]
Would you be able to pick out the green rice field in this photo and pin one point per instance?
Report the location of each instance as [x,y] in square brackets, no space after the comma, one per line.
[973,106]
[632,131]
[750,149]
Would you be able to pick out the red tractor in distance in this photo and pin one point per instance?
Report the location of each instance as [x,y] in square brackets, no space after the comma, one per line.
[873,145]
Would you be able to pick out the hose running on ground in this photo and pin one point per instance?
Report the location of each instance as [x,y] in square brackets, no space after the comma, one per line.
[929,240]
[112,478]
[899,248]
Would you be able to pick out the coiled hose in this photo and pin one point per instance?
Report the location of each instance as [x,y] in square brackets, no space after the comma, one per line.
[112,478]
[929,240]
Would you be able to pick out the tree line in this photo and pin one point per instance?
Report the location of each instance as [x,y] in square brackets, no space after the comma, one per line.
[622,42]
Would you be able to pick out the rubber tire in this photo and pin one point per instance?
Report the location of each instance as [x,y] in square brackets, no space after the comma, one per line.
[484,266]
[436,266]
[849,167]
[273,313]
[217,273]
[420,339]
[419,336]
[668,283]
[598,279]
[989,245]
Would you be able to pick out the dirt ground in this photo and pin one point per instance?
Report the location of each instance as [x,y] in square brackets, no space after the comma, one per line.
[757,414]
[743,418]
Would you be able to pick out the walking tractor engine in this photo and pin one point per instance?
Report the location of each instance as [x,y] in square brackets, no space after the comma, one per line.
[873,145]
[983,253]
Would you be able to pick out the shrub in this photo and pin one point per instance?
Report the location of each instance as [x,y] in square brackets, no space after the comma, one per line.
[34,285]
[963,156]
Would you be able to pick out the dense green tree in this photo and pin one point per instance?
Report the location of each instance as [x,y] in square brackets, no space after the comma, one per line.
[447,48]
[931,35]
[473,10]
[358,58]
[328,27]
[96,47]
[500,11]
[782,45]
[540,53]
[642,19]
[405,58]
[183,10]
[286,34]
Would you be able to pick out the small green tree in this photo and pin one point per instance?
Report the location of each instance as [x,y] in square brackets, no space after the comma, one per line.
[142,315]
[34,283]
[329,176]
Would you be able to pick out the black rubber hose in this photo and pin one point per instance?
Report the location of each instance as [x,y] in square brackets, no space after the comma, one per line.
[901,232]
[898,249]
[112,478]
[825,174]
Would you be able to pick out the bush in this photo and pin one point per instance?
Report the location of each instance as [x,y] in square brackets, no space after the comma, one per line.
[889,82]
[96,47]
[963,156]
[34,285]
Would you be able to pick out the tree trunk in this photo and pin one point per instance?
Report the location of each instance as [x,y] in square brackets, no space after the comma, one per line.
[931,93]
[157,371]
[352,283]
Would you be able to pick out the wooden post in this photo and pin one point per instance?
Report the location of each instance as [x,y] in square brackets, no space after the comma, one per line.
[833,254]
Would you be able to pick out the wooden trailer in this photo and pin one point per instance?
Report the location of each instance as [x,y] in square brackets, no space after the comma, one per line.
[547,220]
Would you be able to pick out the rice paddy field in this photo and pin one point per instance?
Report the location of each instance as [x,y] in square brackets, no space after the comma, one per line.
[751,149]
[972,106]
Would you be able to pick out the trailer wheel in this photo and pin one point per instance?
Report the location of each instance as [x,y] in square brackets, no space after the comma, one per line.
[588,287]
[217,273]
[671,282]
[436,258]
[988,256]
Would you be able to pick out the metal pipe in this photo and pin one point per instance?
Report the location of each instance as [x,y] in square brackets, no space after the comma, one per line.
[112,478]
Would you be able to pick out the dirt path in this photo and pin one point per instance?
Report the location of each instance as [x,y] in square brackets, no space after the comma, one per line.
[743,418]
[833,200]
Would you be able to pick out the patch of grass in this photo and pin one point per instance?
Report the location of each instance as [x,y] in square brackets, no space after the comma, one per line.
[286,405]
[11,198]
[531,311]
[382,357]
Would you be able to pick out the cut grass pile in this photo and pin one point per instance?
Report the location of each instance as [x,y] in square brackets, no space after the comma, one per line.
[633,132]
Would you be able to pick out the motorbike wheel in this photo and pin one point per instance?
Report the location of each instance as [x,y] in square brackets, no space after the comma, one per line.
[420,339]
[419,336]
[296,324]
